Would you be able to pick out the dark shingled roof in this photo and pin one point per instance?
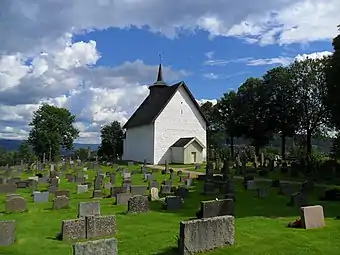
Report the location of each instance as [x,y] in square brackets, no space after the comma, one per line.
[181,142]
[152,106]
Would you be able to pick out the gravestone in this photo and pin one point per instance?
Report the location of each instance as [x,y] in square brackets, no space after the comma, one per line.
[261,192]
[298,199]
[60,202]
[173,203]
[60,193]
[82,189]
[74,229]
[9,196]
[99,247]
[40,197]
[312,217]
[154,184]
[138,204]
[100,226]
[88,209]
[154,194]
[116,190]
[122,198]
[8,188]
[15,204]
[166,189]
[182,192]
[138,190]
[7,232]
[97,194]
[202,235]
[213,208]
[22,184]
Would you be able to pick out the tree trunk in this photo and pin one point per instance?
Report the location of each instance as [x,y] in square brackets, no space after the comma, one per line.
[232,147]
[283,146]
[309,144]
[257,150]
[309,151]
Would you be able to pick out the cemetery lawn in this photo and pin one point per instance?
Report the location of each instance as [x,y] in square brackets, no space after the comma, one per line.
[260,225]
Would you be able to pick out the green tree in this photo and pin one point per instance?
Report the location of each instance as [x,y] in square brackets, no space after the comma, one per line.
[81,153]
[111,145]
[333,82]
[229,118]
[25,152]
[52,129]
[213,133]
[283,107]
[309,78]
[253,104]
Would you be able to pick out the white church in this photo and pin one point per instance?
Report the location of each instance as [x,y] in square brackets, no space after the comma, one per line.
[168,126]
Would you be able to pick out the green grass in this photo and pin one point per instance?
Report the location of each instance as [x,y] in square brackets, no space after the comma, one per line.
[260,226]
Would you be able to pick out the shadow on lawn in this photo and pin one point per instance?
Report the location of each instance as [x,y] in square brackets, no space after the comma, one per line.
[248,205]
[168,251]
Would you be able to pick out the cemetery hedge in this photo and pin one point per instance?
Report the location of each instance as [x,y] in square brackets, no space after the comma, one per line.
[260,225]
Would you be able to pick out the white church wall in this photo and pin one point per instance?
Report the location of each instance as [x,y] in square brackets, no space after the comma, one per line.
[139,144]
[180,118]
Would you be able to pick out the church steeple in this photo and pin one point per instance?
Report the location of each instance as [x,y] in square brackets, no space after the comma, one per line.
[159,84]
[160,80]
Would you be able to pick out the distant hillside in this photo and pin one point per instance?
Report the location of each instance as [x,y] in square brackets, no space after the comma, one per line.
[13,145]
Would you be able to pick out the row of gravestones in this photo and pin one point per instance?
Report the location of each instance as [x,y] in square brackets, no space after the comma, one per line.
[14,203]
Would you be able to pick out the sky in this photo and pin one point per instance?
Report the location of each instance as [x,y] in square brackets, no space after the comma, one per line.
[98,57]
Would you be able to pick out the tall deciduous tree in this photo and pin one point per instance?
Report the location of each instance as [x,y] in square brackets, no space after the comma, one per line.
[112,136]
[25,152]
[253,104]
[284,111]
[333,82]
[229,118]
[309,78]
[52,129]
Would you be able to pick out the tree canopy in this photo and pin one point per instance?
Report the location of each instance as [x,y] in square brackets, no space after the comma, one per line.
[52,129]
[111,146]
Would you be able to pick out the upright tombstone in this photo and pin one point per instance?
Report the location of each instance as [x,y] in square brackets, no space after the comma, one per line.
[202,235]
[100,226]
[15,204]
[215,208]
[88,209]
[312,217]
[138,204]
[209,186]
[101,247]
[7,232]
[61,202]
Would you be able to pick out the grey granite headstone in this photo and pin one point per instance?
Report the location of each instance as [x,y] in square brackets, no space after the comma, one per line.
[138,190]
[40,197]
[202,235]
[74,229]
[100,226]
[7,232]
[138,204]
[173,203]
[98,247]
[122,198]
[88,209]
[215,208]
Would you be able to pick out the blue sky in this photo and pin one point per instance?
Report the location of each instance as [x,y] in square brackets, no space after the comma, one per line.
[191,52]
[97,57]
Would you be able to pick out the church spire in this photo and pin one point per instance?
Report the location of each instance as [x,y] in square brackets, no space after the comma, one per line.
[160,80]
[160,74]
